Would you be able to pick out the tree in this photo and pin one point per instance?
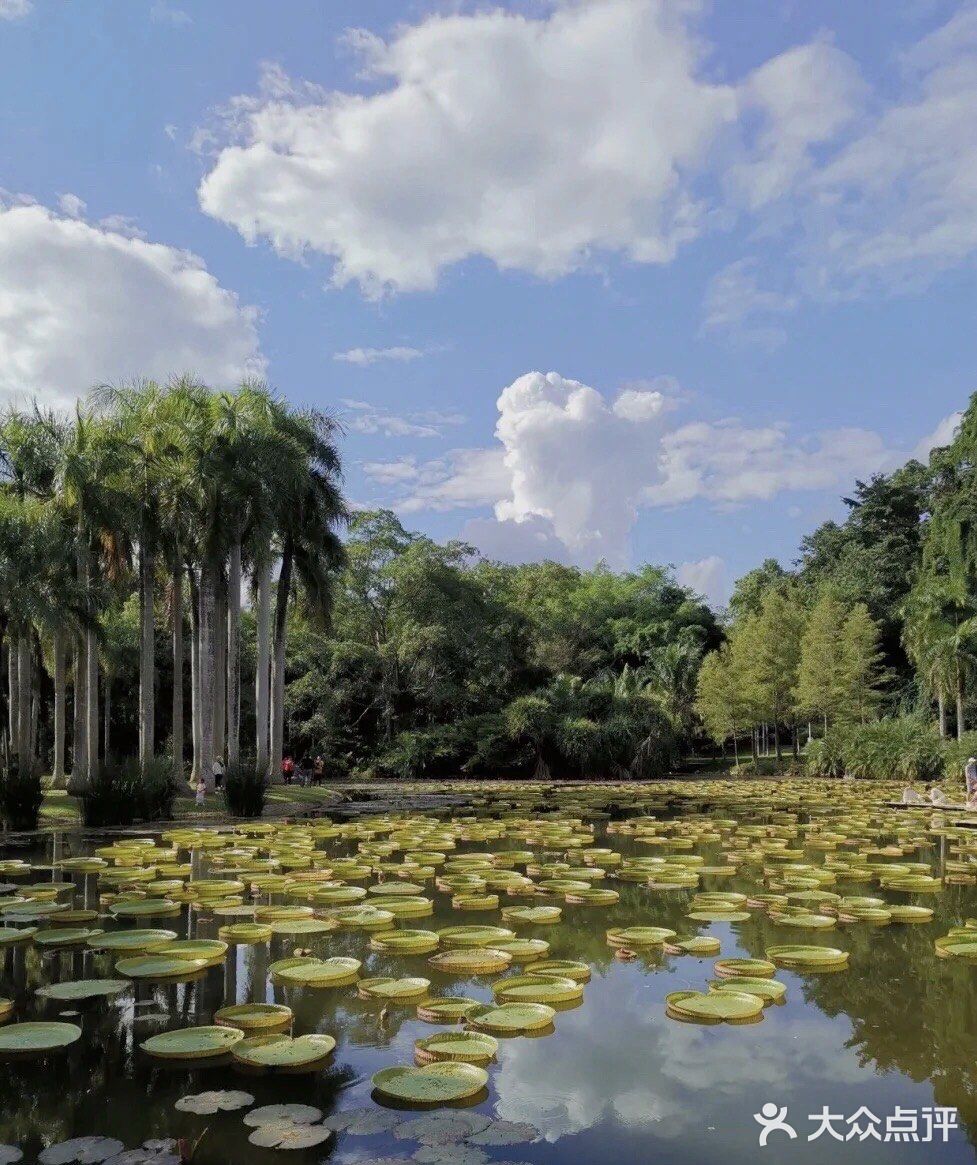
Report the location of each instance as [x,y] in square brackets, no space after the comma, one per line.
[721,701]
[862,674]
[822,669]
[773,658]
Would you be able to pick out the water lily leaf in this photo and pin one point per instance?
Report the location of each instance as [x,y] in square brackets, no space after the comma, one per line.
[472,1046]
[432,1084]
[457,1154]
[511,1018]
[78,989]
[276,1114]
[206,1103]
[192,1043]
[442,1128]
[254,1016]
[36,1038]
[84,1150]
[278,1051]
[289,1136]
[503,1132]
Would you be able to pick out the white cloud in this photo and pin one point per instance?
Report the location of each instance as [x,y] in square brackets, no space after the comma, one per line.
[729,463]
[735,303]
[707,577]
[574,468]
[72,206]
[80,304]
[942,435]
[532,142]
[163,13]
[899,202]
[577,459]
[366,356]
[462,479]
[363,417]
[543,143]
[15,9]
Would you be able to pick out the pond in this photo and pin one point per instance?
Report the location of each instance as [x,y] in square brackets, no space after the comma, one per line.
[618,1074]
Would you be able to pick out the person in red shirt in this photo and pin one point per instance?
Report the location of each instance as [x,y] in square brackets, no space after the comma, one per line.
[288,769]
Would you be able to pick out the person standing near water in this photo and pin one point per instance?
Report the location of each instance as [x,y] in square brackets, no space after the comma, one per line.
[970,776]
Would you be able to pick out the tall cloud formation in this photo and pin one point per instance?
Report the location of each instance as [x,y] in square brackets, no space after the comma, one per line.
[532,142]
[572,469]
[82,304]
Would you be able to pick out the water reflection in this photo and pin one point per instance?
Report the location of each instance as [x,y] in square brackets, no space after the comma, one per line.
[615,1078]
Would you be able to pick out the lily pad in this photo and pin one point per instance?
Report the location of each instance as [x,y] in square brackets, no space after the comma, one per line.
[78,989]
[279,1051]
[510,1018]
[251,1017]
[192,1043]
[36,1038]
[207,1103]
[433,1084]
[290,1136]
[714,1007]
[473,1047]
[276,1114]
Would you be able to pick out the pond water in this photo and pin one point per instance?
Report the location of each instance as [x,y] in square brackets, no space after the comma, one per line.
[615,1078]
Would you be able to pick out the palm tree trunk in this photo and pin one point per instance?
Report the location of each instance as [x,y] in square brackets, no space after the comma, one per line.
[58,774]
[176,608]
[263,664]
[147,654]
[24,688]
[278,662]
[195,700]
[234,656]
[79,757]
[91,691]
[107,716]
[220,663]
[206,669]
[960,724]
[941,712]
[12,691]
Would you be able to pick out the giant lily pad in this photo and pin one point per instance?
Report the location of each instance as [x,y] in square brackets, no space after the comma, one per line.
[192,1043]
[158,967]
[334,972]
[251,1017]
[304,1053]
[396,990]
[473,1047]
[76,990]
[510,1018]
[36,1038]
[537,989]
[433,1084]
[714,1007]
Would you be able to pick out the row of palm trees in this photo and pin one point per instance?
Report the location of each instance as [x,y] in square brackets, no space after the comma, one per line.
[187,495]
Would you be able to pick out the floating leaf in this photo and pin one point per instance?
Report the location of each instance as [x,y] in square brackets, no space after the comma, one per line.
[433,1084]
[37,1038]
[192,1043]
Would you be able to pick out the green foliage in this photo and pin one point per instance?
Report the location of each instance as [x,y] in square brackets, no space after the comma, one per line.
[113,796]
[901,748]
[122,793]
[20,796]
[956,753]
[440,663]
[244,791]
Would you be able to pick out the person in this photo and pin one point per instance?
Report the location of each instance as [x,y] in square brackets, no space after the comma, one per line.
[218,772]
[288,768]
[970,776]
[201,792]
[318,770]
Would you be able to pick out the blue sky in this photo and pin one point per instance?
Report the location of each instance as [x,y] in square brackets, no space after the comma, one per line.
[740,238]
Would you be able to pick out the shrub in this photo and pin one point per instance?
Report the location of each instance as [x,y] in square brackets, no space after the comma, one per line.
[956,754]
[122,792]
[901,748]
[245,788]
[20,796]
[113,796]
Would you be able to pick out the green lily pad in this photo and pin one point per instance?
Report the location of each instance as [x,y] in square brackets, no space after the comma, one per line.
[79,989]
[438,1083]
[303,1053]
[193,1043]
[474,1047]
[36,1038]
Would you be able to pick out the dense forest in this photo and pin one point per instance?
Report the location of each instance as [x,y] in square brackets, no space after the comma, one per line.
[182,580]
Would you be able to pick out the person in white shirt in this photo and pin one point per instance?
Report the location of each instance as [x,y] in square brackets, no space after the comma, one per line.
[218,772]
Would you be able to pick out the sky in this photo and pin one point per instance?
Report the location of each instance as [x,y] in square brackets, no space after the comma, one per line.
[622,280]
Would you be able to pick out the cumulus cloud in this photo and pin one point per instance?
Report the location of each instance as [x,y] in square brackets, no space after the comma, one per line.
[363,417]
[80,304]
[942,435]
[532,142]
[707,577]
[573,468]
[15,9]
[363,357]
